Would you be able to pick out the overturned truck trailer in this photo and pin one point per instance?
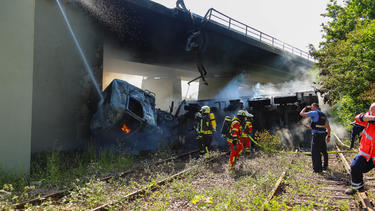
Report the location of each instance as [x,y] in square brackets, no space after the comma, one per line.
[128,118]
[274,113]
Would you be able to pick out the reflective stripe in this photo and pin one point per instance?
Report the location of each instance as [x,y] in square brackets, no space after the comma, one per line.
[364,154]
[367,135]
[206,132]
[235,129]
[320,126]
[357,185]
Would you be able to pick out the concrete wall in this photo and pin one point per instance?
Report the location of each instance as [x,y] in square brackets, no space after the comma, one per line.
[16,79]
[63,96]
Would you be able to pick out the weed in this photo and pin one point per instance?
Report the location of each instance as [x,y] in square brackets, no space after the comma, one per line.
[59,170]
[267,142]
[343,205]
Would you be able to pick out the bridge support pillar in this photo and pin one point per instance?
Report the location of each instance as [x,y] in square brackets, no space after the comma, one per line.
[214,88]
[166,89]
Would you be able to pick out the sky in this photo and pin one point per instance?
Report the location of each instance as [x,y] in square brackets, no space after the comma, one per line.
[296,22]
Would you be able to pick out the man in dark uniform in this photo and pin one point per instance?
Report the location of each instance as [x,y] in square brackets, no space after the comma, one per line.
[356,131]
[321,132]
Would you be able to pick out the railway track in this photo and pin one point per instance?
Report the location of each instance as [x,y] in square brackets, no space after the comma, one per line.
[295,187]
[57,195]
[277,186]
[362,196]
[331,184]
[145,190]
[206,184]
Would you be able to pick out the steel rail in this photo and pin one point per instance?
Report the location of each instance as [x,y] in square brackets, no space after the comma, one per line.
[362,196]
[140,192]
[60,194]
[342,143]
[278,183]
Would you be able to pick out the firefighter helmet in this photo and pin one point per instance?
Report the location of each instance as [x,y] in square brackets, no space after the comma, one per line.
[249,115]
[205,109]
[241,113]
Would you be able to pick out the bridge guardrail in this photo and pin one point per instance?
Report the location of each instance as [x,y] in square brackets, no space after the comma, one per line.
[239,27]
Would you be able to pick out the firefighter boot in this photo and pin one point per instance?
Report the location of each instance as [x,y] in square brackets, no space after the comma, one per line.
[353,190]
[207,153]
[232,163]
[230,167]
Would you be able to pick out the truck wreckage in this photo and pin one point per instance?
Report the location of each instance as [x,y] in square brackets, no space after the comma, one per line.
[128,118]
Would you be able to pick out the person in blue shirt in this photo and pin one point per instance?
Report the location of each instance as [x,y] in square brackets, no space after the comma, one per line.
[321,133]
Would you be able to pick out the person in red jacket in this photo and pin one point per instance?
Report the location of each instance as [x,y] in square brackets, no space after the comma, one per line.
[365,160]
[245,139]
[234,140]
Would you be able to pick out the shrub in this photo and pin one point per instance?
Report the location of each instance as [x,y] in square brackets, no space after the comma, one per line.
[267,142]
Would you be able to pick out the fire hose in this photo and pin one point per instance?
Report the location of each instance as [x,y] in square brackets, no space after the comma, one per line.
[302,153]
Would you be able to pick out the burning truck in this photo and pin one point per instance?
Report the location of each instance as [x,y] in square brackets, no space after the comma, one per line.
[128,117]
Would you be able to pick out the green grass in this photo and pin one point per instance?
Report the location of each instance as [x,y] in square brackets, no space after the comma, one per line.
[60,170]
[208,187]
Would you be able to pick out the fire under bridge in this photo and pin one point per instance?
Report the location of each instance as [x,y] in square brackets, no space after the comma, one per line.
[50,95]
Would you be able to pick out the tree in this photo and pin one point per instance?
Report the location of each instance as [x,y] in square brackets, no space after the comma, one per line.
[346,58]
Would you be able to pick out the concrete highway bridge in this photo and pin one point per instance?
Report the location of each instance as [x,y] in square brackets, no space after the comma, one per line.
[49,96]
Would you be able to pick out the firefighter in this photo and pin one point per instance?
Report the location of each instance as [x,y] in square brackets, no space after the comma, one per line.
[234,138]
[246,133]
[206,127]
[320,134]
[364,161]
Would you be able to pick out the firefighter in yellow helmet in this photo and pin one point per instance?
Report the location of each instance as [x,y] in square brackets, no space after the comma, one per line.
[234,139]
[246,133]
[206,127]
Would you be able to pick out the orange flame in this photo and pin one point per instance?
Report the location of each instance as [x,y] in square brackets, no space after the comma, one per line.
[125,129]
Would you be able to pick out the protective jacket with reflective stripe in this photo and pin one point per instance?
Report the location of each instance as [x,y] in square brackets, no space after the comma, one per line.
[247,129]
[207,124]
[367,145]
[235,129]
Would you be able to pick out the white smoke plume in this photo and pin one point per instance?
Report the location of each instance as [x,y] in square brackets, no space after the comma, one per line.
[241,85]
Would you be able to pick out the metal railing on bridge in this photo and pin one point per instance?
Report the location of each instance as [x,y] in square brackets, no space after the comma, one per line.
[239,27]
